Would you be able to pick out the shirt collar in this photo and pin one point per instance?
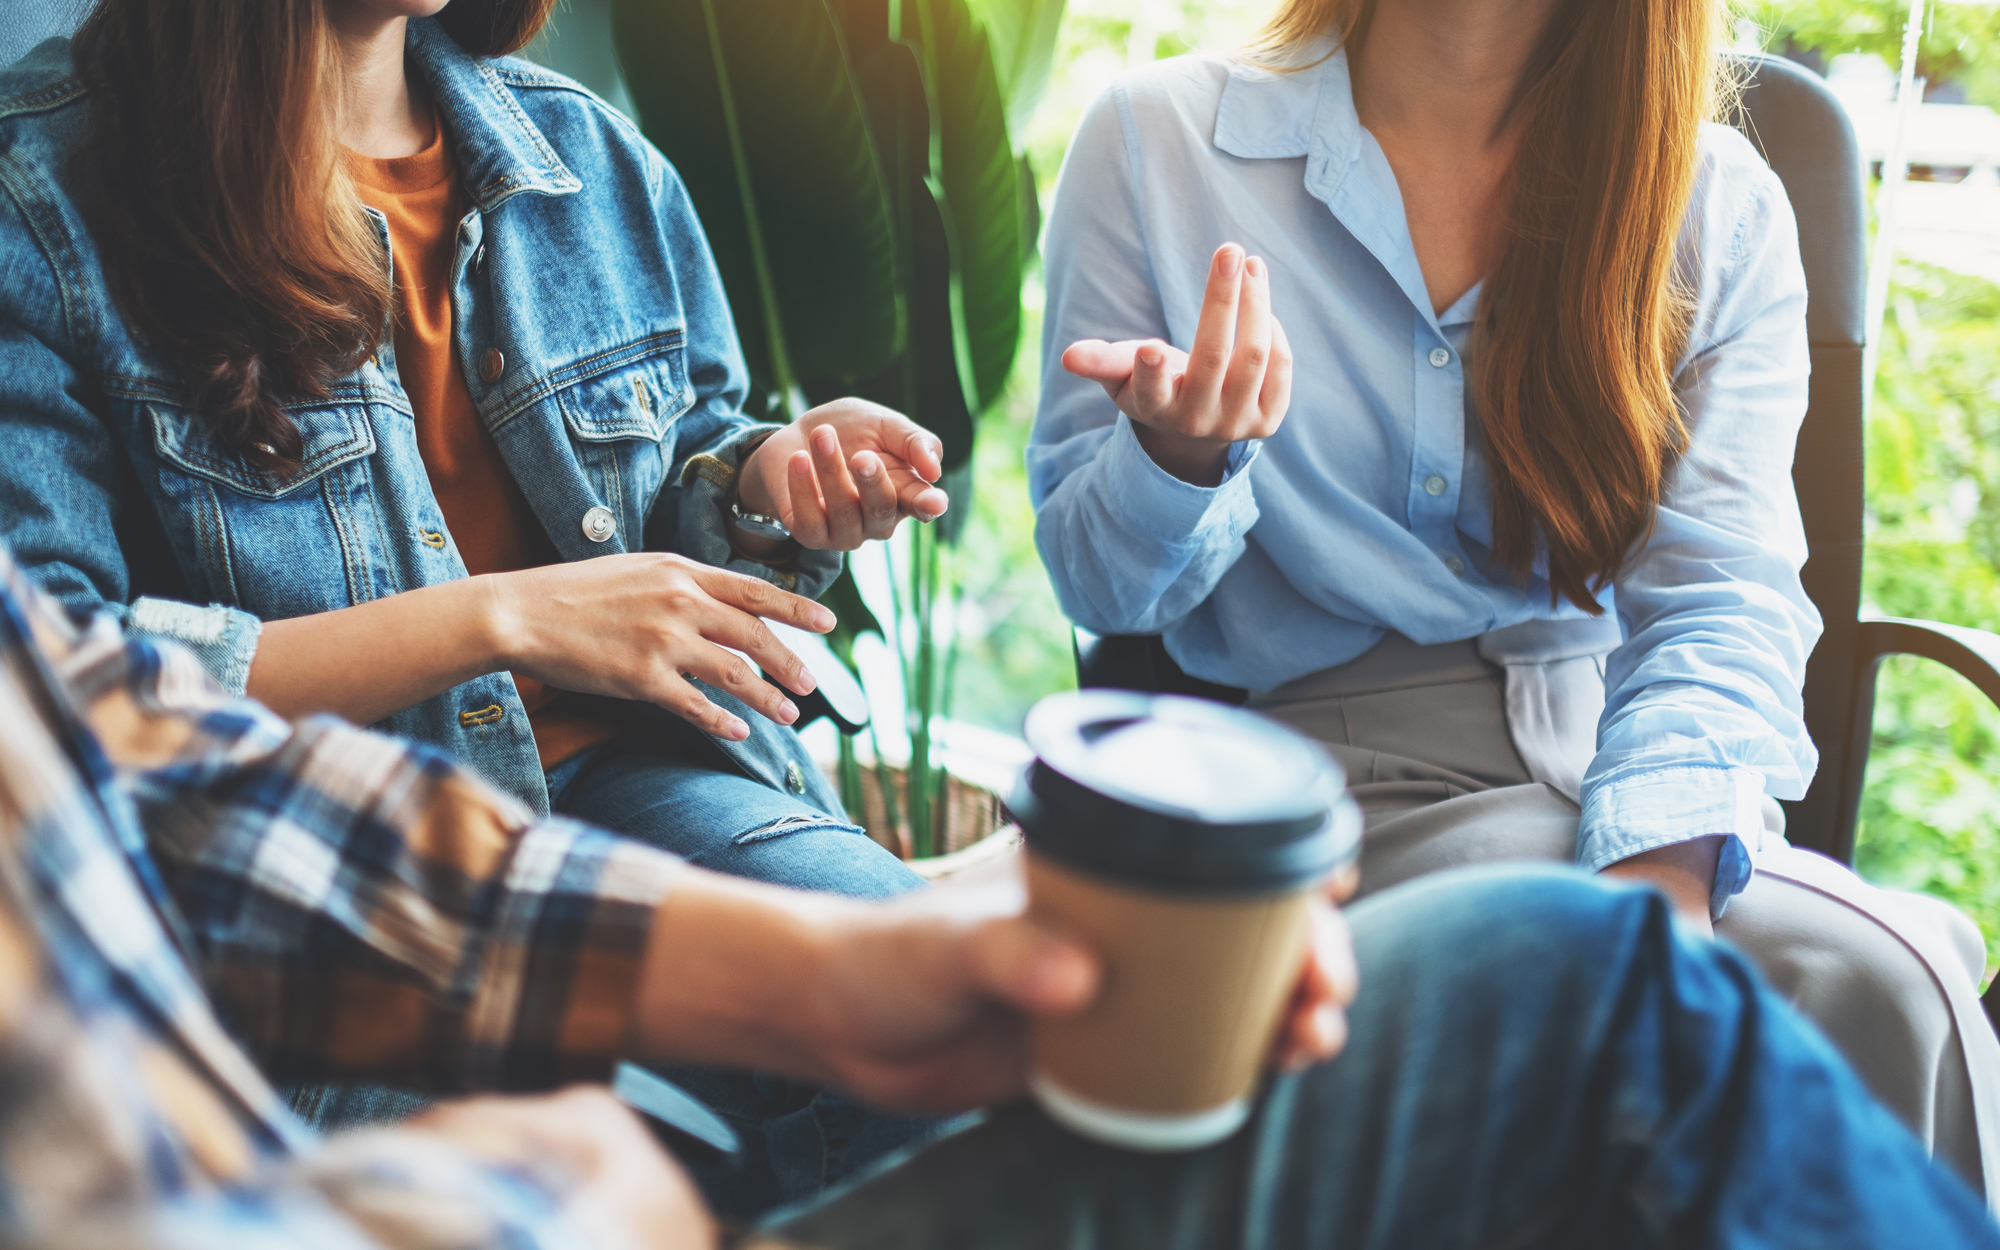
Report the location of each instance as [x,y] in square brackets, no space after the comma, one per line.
[500,152]
[1264,115]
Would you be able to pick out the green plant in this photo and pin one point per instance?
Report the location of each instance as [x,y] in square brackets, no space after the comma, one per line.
[853,165]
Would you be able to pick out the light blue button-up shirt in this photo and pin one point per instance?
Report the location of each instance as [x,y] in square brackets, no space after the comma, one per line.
[1371,508]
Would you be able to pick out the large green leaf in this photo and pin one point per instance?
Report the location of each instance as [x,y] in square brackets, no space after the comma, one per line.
[1024,51]
[812,253]
[976,173]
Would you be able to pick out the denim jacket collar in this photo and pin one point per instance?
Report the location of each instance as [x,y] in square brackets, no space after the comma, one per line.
[500,152]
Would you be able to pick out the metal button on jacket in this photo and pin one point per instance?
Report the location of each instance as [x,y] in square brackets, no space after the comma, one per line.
[1455,564]
[491,364]
[795,778]
[1434,484]
[1440,357]
[599,524]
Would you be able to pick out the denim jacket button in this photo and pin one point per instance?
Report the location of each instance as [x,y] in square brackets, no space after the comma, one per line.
[491,364]
[795,778]
[599,524]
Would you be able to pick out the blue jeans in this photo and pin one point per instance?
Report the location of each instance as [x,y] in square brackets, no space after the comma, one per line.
[674,791]
[1536,1059]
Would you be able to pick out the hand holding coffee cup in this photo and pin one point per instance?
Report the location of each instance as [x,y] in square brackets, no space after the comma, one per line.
[1188,844]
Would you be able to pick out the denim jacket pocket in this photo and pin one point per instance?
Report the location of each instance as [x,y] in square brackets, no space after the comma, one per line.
[276,544]
[620,421]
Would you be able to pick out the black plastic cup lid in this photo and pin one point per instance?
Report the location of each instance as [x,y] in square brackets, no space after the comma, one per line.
[1181,794]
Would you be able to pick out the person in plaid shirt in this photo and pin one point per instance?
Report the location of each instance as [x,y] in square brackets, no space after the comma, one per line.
[187,881]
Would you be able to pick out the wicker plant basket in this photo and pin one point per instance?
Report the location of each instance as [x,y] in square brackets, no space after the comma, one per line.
[971,813]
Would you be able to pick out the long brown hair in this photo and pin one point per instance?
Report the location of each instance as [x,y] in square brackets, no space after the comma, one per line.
[212,180]
[1582,317]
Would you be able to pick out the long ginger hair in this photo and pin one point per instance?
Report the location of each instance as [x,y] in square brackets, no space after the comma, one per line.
[1582,317]
[212,179]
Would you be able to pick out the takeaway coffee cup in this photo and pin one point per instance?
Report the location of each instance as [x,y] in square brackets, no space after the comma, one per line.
[1183,841]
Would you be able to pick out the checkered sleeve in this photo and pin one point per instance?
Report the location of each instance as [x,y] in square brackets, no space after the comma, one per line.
[363,907]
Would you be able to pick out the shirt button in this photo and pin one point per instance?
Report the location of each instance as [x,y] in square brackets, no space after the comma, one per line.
[1440,357]
[599,524]
[795,778]
[491,364]
[1434,484]
[1456,565]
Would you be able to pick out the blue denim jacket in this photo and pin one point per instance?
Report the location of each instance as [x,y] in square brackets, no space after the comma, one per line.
[581,263]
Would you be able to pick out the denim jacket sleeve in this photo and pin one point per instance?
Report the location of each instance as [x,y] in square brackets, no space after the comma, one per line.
[64,481]
[714,436]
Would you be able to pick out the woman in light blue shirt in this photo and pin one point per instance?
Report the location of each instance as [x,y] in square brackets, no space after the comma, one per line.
[1470,453]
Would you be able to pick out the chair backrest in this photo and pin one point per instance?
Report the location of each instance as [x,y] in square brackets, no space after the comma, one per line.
[1805,135]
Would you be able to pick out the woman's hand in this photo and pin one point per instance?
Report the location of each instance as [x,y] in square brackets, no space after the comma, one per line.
[631,626]
[1188,407]
[747,974]
[843,473]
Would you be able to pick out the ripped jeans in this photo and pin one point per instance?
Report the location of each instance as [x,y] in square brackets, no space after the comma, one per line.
[679,794]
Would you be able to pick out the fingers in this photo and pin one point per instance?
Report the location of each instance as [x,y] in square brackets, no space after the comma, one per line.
[1251,356]
[1107,364]
[741,632]
[844,527]
[1316,1024]
[1156,368]
[1276,396]
[724,669]
[881,507]
[808,519]
[678,695]
[761,598]
[922,450]
[1215,333]
[1022,963]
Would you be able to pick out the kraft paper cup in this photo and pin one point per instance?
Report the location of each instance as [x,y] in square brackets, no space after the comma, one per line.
[1183,841]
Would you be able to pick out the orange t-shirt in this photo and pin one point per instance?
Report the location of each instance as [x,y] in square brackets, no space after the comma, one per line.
[483,507]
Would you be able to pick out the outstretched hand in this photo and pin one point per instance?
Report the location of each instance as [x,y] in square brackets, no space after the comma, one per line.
[846,472]
[746,974]
[1189,407]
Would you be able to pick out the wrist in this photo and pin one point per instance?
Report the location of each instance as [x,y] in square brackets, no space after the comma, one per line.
[731,971]
[750,488]
[495,621]
[1192,459]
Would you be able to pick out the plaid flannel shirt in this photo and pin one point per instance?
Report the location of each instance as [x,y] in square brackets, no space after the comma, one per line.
[172,858]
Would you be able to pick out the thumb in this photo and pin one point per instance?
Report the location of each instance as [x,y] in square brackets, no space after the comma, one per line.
[1032,968]
[1108,364]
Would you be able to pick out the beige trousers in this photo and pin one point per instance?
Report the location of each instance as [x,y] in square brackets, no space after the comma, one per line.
[1891,978]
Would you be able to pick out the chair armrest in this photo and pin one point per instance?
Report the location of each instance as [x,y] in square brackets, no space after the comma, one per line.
[1973,654]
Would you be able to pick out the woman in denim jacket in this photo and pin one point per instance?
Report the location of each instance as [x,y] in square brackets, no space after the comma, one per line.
[468,463]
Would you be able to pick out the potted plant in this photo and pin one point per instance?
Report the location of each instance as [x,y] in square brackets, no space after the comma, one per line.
[853,165]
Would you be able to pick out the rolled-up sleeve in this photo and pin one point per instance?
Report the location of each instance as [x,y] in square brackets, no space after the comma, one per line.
[360,906]
[1703,716]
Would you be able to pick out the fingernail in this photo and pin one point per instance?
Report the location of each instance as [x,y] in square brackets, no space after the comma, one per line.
[825,620]
[1151,357]
[1229,260]
[787,711]
[738,731]
[807,683]
[1254,266]
[867,469]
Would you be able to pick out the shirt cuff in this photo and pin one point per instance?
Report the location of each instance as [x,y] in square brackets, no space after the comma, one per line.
[1163,505]
[707,483]
[559,977]
[224,639]
[1646,811]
